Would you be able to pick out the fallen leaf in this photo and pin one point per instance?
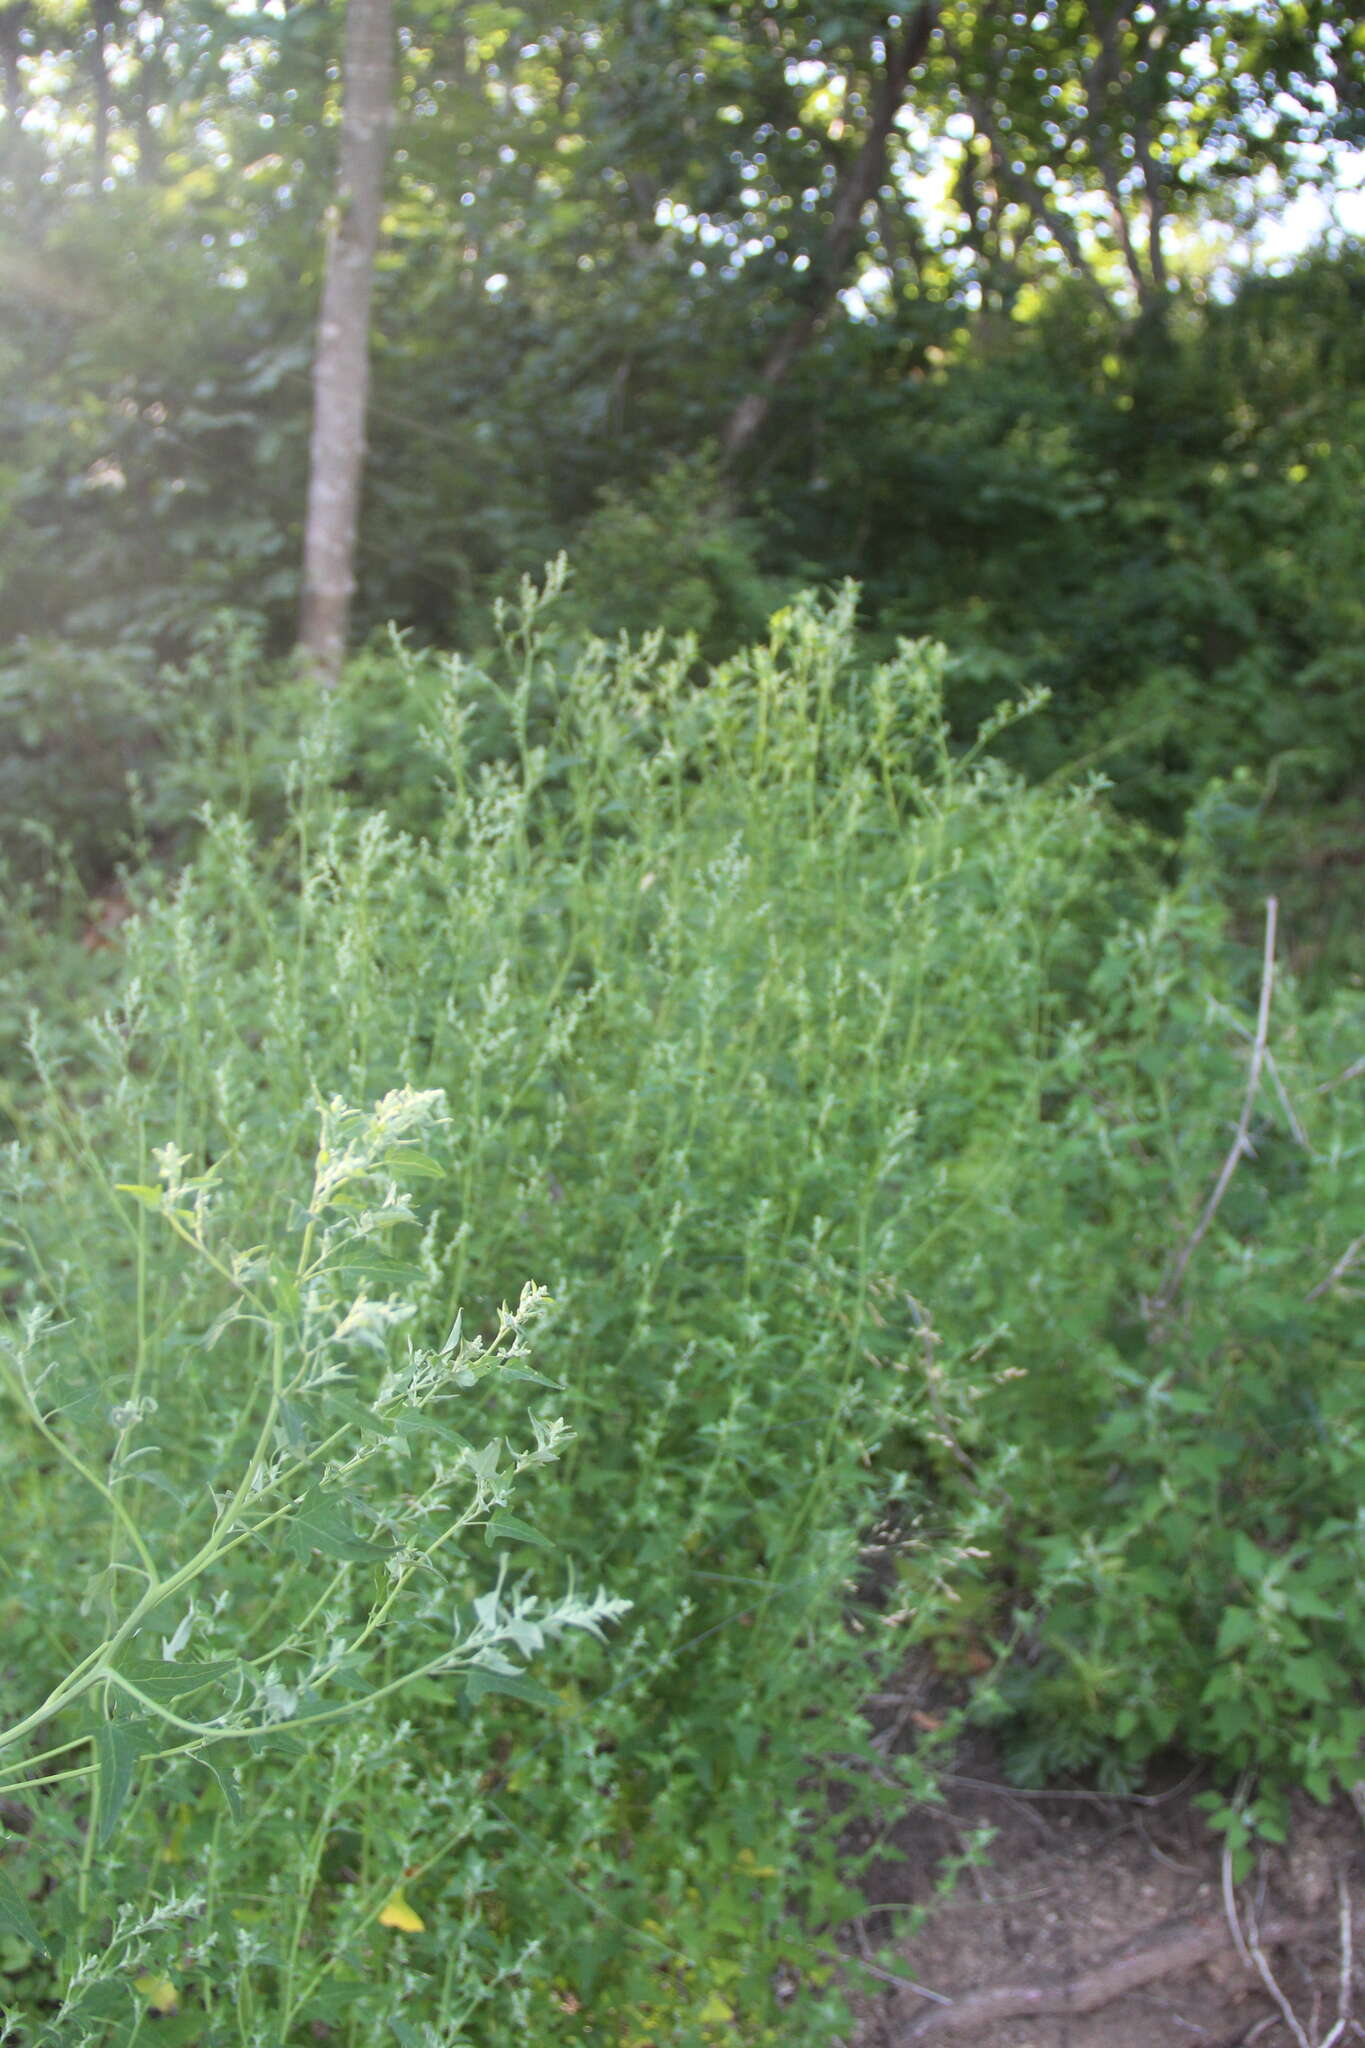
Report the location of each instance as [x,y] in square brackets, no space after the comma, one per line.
[398,1913]
[159,1992]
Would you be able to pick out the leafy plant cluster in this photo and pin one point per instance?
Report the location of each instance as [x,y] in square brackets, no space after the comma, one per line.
[1157,527]
[852,1099]
[1175,1503]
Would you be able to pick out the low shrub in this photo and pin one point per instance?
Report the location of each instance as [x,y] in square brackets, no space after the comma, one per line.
[1167,1475]
[810,1064]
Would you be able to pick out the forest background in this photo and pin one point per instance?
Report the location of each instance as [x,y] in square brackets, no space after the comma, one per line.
[822,933]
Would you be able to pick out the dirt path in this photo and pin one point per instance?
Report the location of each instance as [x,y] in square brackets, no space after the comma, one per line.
[1104,1923]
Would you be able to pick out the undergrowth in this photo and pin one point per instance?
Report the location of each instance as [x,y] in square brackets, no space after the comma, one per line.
[844,1103]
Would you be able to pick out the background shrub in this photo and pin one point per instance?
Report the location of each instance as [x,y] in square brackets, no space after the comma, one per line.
[848,1095]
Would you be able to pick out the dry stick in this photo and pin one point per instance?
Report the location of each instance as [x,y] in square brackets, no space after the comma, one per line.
[1061,1997]
[1351,1073]
[1267,1977]
[1301,1136]
[1346,1980]
[1240,1142]
[1091,1798]
[1230,1909]
[1343,1265]
[835,1955]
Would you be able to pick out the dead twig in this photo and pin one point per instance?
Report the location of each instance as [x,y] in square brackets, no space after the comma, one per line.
[1137,1824]
[1346,1977]
[1292,1117]
[1301,1136]
[835,1955]
[1100,1799]
[1241,1142]
[1267,1977]
[1351,1073]
[1230,1911]
[1343,1265]
[1162,1957]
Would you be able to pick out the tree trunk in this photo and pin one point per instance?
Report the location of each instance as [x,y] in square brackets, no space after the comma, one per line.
[102,20]
[12,21]
[341,360]
[1108,93]
[857,186]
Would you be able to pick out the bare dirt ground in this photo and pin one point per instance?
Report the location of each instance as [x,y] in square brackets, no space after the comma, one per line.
[1106,1923]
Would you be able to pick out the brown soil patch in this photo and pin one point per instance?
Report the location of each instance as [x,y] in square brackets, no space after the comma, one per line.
[1102,1923]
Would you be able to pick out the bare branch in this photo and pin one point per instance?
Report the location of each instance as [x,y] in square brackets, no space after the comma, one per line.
[1230,1909]
[835,1955]
[1183,1949]
[1267,1977]
[858,185]
[1343,1265]
[1241,1142]
[1346,1978]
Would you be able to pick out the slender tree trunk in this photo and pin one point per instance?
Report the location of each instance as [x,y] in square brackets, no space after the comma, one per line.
[858,185]
[1156,214]
[1107,91]
[102,21]
[11,50]
[341,360]
[1152,34]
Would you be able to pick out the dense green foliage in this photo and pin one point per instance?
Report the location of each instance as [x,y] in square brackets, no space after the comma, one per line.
[1108,457]
[1165,538]
[836,1067]
[852,1099]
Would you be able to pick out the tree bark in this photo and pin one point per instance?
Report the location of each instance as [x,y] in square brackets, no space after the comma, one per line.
[857,186]
[1181,1949]
[102,20]
[1108,90]
[11,50]
[341,360]
[1152,178]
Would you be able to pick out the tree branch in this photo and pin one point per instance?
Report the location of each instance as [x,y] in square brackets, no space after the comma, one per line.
[858,184]
[1239,1143]
[1025,188]
[1185,1949]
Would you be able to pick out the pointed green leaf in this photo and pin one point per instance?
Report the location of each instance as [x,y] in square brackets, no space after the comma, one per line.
[419,1163]
[359,1268]
[536,1379]
[479,1682]
[118,1746]
[412,1422]
[346,1410]
[294,1422]
[504,1528]
[227,1785]
[165,1682]
[15,1918]
[318,1524]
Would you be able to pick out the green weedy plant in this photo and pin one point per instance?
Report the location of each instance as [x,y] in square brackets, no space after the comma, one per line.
[1167,1484]
[250,1601]
[848,1095]
[744,1000]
